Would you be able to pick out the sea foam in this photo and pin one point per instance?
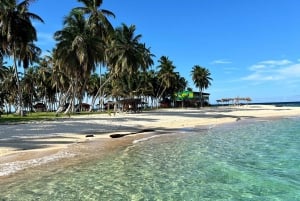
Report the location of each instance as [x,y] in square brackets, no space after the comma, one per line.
[13,167]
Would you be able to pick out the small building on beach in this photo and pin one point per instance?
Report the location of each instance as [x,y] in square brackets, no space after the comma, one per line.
[191,99]
[131,104]
[40,107]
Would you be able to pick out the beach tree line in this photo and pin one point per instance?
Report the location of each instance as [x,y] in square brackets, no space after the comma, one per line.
[67,74]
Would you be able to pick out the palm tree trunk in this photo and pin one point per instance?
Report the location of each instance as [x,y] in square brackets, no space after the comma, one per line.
[62,100]
[201,98]
[74,95]
[82,94]
[69,107]
[20,103]
[99,91]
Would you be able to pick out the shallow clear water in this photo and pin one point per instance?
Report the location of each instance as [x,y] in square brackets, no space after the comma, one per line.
[255,161]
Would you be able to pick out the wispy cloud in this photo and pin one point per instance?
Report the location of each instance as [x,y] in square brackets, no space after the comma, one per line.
[221,61]
[276,62]
[45,38]
[290,71]
[272,70]
[268,64]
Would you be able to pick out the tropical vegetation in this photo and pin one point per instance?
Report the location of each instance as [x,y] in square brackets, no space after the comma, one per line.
[202,79]
[65,76]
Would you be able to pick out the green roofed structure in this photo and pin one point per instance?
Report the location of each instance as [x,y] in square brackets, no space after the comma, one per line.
[191,99]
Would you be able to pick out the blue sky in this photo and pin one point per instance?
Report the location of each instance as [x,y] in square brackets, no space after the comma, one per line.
[251,47]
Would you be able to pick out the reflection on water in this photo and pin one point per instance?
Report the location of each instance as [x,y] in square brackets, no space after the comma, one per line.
[255,161]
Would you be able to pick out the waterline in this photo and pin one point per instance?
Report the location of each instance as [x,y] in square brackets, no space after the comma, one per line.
[255,161]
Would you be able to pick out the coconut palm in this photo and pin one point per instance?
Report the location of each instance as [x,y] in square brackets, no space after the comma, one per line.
[78,49]
[100,27]
[9,87]
[202,79]
[93,85]
[126,56]
[29,87]
[97,18]
[126,53]
[18,33]
[166,75]
[3,74]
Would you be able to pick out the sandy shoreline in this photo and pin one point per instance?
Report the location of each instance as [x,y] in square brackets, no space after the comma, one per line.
[29,145]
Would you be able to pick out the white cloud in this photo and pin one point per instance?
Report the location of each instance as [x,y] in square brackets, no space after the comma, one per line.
[45,39]
[262,77]
[257,67]
[273,70]
[276,62]
[221,61]
[291,71]
[268,64]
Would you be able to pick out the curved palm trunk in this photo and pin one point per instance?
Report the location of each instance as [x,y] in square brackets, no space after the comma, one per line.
[69,107]
[63,100]
[98,92]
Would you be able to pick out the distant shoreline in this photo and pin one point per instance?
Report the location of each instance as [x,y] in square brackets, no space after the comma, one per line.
[284,103]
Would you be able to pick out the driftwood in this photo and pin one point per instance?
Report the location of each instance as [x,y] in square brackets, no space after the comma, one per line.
[118,135]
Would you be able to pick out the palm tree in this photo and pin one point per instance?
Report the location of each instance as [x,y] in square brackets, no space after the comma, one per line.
[126,53]
[18,33]
[126,56]
[201,78]
[100,27]
[77,50]
[93,85]
[29,86]
[9,87]
[3,95]
[166,75]
[97,18]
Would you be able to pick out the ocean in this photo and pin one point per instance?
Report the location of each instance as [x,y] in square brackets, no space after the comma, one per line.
[280,104]
[255,160]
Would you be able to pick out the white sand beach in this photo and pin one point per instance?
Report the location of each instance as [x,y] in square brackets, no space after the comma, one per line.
[36,143]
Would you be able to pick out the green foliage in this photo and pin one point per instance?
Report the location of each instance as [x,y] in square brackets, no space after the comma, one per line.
[184,95]
[37,116]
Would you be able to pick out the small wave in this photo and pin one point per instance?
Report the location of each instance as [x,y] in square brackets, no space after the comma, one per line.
[13,167]
[145,139]
[211,126]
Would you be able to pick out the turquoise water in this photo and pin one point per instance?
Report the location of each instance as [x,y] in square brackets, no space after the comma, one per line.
[253,161]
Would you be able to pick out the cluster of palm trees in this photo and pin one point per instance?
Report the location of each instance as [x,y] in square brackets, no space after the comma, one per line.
[67,74]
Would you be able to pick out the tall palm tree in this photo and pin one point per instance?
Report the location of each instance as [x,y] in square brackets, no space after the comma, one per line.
[97,18]
[9,88]
[102,28]
[17,33]
[93,85]
[78,49]
[126,52]
[202,79]
[29,86]
[166,75]
[3,95]
[126,56]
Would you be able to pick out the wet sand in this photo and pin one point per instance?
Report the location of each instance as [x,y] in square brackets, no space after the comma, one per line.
[30,145]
